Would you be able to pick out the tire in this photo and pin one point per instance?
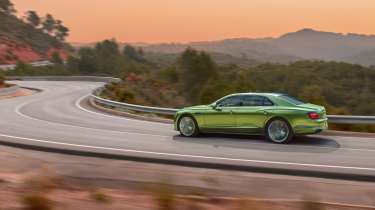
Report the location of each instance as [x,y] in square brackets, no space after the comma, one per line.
[279,131]
[188,126]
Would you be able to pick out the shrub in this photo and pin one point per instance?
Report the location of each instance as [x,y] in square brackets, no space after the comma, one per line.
[36,201]
[2,78]
[309,205]
[44,183]
[165,197]
[100,196]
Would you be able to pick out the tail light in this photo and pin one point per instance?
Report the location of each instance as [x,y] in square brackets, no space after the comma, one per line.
[313,115]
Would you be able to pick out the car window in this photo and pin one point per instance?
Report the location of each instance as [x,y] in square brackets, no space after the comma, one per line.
[256,101]
[291,99]
[230,101]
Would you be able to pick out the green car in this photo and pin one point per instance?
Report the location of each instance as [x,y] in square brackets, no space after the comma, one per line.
[280,117]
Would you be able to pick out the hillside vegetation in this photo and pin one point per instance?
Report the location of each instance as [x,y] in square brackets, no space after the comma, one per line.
[195,78]
[34,38]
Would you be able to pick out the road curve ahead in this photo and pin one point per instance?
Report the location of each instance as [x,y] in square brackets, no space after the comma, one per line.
[58,119]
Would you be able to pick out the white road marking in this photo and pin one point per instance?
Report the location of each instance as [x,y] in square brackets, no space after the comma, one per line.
[46,91]
[191,156]
[77,104]
[17,110]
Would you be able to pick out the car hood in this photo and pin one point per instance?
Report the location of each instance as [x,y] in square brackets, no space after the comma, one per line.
[198,107]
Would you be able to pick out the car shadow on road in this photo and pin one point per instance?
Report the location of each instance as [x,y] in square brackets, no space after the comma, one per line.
[307,144]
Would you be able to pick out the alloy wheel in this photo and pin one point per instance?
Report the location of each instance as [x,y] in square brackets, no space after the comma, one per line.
[278,131]
[187,126]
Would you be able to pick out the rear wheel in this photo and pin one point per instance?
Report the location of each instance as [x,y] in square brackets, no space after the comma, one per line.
[279,131]
[188,126]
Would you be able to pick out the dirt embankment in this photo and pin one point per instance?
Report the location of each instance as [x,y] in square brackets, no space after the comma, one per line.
[38,180]
[11,52]
[18,93]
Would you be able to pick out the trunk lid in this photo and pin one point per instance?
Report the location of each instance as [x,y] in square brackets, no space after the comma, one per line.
[316,108]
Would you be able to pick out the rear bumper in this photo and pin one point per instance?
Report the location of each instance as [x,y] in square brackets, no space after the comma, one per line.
[312,127]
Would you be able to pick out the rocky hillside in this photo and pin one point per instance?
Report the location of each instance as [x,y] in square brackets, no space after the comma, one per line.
[32,39]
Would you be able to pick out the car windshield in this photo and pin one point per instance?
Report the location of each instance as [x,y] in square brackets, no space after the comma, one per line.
[292,99]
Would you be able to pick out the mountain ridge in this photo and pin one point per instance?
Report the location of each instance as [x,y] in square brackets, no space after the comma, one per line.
[306,43]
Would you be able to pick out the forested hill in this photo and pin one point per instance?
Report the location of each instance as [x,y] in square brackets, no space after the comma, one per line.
[31,39]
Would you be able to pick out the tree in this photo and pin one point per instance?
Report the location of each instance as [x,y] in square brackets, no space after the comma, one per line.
[61,31]
[2,78]
[33,18]
[23,69]
[312,94]
[87,60]
[108,57]
[133,54]
[214,89]
[7,7]
[141,52]
[242,84]
[56,59]
[72,64]
[195,69]
[169,74]
[49,24]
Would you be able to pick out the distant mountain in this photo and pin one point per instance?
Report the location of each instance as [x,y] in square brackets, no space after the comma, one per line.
[311,44]
[302,44]
[252,49]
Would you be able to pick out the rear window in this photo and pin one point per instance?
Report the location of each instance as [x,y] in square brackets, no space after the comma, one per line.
[292,99]
[254,100]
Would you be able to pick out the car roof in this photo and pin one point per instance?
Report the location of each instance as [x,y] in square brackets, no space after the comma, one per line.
[256,93]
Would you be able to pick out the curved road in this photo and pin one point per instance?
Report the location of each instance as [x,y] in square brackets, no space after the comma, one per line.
[58,118]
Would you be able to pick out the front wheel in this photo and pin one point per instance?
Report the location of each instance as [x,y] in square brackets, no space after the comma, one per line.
[188,126]
[279,131]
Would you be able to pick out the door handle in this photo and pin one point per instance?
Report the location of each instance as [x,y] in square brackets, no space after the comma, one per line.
[265,113]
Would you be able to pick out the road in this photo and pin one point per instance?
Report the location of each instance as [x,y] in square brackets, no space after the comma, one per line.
[58,118]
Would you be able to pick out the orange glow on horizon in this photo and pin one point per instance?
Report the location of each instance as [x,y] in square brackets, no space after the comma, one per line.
[198,20]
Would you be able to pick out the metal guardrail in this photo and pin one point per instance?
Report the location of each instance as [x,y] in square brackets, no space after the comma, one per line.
[348,119]
[132,107]
[338,119]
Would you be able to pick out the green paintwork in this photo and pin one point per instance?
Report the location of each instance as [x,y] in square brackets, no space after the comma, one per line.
[253,119]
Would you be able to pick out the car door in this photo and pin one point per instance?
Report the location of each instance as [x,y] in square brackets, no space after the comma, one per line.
[220,117]
[252,113]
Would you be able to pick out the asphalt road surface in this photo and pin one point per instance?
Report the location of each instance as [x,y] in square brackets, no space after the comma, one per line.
[58,118]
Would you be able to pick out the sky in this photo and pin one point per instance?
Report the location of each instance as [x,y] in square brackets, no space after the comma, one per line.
[155,21]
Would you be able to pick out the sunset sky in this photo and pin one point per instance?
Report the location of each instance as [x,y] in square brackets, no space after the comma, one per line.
[198,20]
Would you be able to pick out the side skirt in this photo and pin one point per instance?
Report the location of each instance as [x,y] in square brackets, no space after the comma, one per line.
[257,131]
